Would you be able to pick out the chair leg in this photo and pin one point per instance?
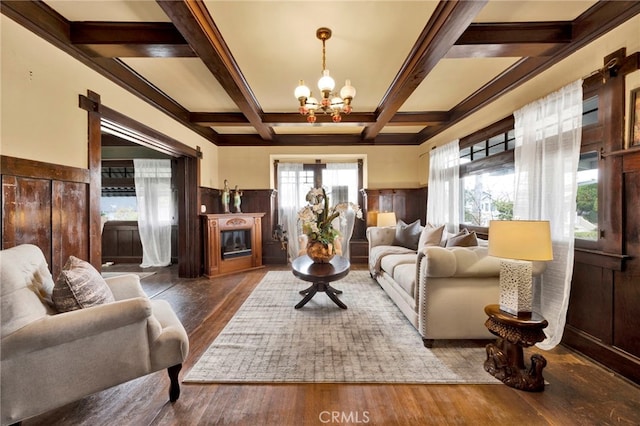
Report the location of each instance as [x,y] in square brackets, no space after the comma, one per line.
[174,388]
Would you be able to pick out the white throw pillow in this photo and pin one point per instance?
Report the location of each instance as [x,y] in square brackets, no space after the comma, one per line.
[430,236]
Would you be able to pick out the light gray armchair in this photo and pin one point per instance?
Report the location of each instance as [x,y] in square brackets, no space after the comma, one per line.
[49,359]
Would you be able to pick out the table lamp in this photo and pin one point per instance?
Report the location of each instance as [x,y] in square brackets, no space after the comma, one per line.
[518,242]
[386,219]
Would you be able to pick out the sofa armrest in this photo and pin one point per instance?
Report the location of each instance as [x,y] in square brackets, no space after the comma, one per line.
[125,286]
[381,236]
[59,329]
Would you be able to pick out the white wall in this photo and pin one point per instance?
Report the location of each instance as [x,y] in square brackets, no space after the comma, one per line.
[40,117]
[386,166]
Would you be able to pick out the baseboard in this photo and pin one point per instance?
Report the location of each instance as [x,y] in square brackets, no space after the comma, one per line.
[610,357]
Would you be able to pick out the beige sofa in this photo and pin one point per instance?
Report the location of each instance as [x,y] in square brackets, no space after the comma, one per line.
[49,359]
[441,290]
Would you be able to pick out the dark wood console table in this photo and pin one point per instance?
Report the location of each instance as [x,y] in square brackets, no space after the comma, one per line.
[320,274]
[505,359]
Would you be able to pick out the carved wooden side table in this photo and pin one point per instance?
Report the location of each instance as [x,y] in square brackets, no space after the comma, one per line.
[505,359]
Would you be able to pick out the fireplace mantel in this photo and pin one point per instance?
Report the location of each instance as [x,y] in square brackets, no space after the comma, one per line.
[232,242]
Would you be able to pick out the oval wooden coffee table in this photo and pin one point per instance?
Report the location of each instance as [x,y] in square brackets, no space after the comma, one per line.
[320,275]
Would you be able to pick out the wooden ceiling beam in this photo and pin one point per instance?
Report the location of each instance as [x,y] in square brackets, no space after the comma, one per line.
[130,40]
[516,32]
[444,28]
[592,24]
[283,118]
[192,19]
[253,140]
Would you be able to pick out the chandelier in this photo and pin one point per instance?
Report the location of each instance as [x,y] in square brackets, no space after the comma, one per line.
[330,102]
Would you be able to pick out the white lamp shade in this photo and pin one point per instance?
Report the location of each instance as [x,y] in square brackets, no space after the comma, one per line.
[520,239]
[336,103]
[386,219]
[302,91]
[326,83]
[312,103]
[348,91]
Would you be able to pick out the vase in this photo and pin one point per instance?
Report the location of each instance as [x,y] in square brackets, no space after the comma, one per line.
[320,252]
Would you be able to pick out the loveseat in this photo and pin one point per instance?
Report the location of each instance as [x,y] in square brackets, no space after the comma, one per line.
[441,290]
[50,358]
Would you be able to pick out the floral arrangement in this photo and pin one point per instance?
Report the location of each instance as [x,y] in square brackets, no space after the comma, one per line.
[317,216]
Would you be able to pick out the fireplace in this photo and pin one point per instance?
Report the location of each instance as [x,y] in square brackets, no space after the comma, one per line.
[235,243]
[232,242]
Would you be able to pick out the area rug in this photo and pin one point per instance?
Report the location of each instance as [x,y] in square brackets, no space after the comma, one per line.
[115,274]
[268,341]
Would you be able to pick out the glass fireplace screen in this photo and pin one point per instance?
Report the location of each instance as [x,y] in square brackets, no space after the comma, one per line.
[235,243]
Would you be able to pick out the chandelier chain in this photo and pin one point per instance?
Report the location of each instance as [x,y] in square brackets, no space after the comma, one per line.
[324,62]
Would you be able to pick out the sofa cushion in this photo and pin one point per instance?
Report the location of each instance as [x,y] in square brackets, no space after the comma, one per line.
[408,235]
[430,236]
[80,285]
[461,262]
[405,276]
[378,253]
[391,261]
[464,240]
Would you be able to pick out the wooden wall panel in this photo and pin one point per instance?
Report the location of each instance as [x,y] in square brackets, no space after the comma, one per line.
[591,301]
[627,297]
[121,242]
[46,205]
[69,223]
[26,213]
[409,205]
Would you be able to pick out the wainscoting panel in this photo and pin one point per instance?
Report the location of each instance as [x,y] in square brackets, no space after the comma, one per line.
[46,205]
[409,204]
[604,314]
[69,225]
[627,297]
[26,213]
[121,242]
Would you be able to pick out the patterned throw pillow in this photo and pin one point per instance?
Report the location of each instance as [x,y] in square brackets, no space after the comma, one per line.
[80,285]
[408,235]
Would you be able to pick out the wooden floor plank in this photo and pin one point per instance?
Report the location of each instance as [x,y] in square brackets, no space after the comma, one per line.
[579,391]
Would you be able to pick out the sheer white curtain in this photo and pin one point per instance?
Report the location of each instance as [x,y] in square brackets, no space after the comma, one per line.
[342,181]
[155,210]
[443,202]
[548,135]
[291,196]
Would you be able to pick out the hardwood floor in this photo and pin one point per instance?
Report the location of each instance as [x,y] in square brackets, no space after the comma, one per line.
[579,392]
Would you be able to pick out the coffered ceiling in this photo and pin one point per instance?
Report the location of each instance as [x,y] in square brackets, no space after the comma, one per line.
[228,69]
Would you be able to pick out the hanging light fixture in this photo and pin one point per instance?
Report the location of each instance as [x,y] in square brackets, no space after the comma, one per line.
[330,103]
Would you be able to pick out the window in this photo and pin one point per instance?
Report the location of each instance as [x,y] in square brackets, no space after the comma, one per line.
[488,196]
[339,179]
[590,111]
[118,199]
[487,180]
[341,183]
[119,207]
[587,197]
